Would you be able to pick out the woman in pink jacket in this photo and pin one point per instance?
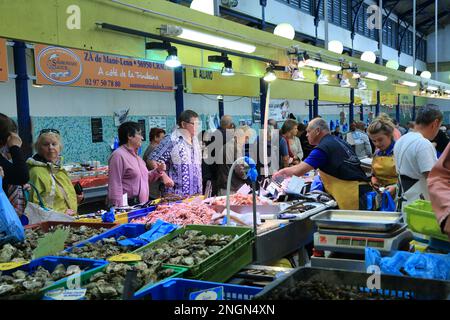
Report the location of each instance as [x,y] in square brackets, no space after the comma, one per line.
[439,189]
[128,175]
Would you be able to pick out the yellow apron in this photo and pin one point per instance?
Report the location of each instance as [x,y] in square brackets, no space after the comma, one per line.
[346,193]
[384,170]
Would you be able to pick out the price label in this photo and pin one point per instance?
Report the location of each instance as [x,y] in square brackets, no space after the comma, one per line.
[208,294]
[66,294]
[125,257]
[12,265]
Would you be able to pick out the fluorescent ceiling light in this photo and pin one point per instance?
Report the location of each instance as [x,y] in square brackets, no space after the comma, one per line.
[322,79]
[374,76]
[407,83]
[285,30]
[216,41]
[319,65]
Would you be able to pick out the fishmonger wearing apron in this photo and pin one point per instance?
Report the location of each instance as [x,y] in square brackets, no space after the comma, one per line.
[339,167]
[384,173]
[415,156]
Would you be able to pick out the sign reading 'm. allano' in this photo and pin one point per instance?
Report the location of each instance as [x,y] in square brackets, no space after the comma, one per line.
[203,81]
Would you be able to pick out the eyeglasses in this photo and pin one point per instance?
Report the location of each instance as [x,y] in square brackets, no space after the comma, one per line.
[49,130]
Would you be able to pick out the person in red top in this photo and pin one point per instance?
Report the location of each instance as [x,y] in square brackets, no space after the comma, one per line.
[128,173]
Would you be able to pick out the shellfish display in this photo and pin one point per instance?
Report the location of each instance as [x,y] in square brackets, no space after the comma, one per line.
[23,251]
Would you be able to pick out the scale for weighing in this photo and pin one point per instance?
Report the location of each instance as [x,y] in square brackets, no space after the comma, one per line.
[355,242]
[344,235]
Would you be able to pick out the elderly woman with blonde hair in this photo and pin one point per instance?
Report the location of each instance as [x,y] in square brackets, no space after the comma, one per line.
[49,177]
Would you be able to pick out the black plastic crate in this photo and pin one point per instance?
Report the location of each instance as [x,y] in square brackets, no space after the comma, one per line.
[396,287]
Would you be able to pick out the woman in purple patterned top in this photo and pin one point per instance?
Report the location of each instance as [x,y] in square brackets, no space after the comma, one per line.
[181,153]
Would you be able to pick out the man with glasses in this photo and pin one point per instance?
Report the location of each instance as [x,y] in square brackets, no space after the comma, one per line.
[181,153]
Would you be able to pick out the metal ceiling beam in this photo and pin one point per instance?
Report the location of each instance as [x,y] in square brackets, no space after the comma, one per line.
[356,9]
[432,19]
[385,19]
[419,9]
[409,24]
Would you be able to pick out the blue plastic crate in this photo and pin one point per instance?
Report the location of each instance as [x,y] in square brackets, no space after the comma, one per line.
[49,263]
[180,289]
[129,230]
[140,213]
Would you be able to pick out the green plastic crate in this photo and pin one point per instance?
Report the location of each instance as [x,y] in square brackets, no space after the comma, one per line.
[421,219]
[86,277]
[244,236]
[227,267]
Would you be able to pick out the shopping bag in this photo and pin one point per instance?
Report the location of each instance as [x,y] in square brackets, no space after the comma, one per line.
[37,213]
[371,200]
[11,229]
[387,203]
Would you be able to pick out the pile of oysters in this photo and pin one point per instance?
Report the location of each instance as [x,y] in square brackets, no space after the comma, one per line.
[101,249]
[23,251]
[189,248]
[21,284]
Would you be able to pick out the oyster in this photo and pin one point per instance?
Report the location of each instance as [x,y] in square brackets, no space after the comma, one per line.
[32,284]
[202,254]
[59,272]
[74,269]
[106,290]
[183,252]
[188,261]
[19,274]
[5,288]
[7,253]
